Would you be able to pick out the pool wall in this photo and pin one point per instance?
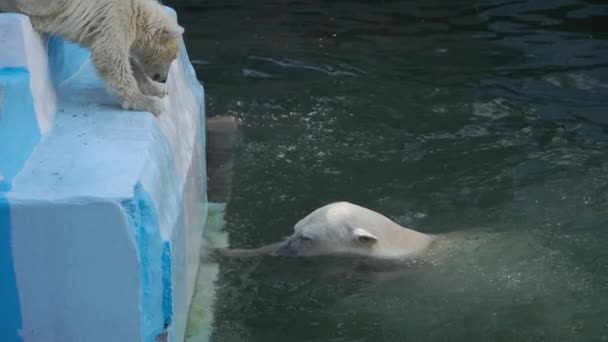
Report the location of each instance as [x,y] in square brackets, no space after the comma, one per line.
[101,210]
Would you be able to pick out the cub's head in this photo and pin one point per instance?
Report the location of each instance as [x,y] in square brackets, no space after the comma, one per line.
[159,45]
[332,229]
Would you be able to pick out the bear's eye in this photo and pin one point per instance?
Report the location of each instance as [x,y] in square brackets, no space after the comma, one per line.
[365,239]
[305,238]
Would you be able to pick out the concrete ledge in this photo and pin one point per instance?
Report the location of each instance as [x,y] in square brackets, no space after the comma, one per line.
[221,138]
[101,210]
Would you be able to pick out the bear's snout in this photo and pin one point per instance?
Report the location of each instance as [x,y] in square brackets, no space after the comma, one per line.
[286,249]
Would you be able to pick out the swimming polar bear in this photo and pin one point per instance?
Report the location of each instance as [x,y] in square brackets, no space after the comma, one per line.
[132,42]
[346,228]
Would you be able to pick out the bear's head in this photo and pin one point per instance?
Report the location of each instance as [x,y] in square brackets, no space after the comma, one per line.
[333,229]
[159,46]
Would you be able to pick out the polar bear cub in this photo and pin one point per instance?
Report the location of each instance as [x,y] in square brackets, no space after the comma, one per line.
[132,42]
[346,228]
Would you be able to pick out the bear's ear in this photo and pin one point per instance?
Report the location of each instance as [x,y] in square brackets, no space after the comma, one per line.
[365,237]
[173,32]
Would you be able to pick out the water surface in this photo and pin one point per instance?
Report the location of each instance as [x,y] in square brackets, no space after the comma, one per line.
[486,120]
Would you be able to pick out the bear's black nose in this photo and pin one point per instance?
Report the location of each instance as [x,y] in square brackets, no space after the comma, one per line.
[158,78]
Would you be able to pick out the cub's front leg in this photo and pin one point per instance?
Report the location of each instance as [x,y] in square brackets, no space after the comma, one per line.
[112,64]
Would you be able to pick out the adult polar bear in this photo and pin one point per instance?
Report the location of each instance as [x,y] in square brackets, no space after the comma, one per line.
[346,228]
[131,41]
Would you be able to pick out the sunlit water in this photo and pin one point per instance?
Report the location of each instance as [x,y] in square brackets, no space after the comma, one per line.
[486,121]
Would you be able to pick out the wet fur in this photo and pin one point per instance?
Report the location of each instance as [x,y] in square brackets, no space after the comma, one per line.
[346,229]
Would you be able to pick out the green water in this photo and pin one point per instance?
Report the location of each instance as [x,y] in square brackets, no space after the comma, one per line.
[486,120]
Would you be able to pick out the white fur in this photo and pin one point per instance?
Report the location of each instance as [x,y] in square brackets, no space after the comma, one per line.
[128,39]
[346,228]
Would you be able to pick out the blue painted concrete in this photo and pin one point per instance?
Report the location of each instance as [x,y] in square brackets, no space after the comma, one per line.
[143,218]
[200,95]
[18,125]
[10,312]
[65,59]
[167,267]
[19,132]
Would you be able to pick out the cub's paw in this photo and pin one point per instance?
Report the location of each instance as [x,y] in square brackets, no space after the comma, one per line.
[153,89]
[144,103]
[155,106]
